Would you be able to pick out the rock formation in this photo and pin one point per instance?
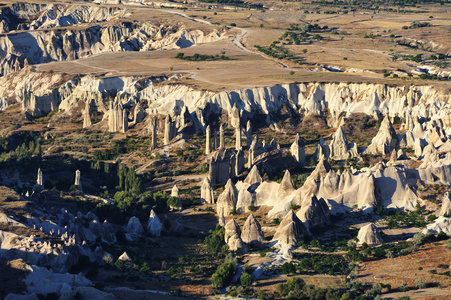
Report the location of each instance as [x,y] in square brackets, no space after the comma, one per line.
[254,150]
[87,115]
[248,134]
[134,229]
[207,141]
[169,130]
[297,150]
[252,232]
[235,117]
[39,181]
[287,184]
[238,145]
[153,129]
[216,142]
[139,113]
[386,139]
[323,150]
[314,212]
[253,179]
[175,194]
[236,163]
[245,199]
[369,234]
[441,224]
[78,179]
[340,149]
[446,205]
[227,199]
[154,225]
[219,170]
[221,138]
[206,192]
[117,117]
[232,237]
[290,231]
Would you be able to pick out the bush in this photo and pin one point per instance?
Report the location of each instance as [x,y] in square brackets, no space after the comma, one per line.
[420,284]
[288,268]
[119,264]
[246,279]
[223,275]
[215,243]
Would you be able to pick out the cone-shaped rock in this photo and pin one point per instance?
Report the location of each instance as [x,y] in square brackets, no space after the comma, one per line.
[314,212]
[386,139]
[369,234]
[252,231]
[227,200]
[339,145]
[206,192]
[134,226]
[286,185]
[154,225]
[291,230]
[232,237]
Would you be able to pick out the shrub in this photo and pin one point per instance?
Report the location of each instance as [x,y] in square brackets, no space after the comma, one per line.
[215,242]
[223,275]
[420,284]
[119,264]
[246,279]
[288,268]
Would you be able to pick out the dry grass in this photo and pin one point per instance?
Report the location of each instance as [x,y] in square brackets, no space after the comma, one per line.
[404,269]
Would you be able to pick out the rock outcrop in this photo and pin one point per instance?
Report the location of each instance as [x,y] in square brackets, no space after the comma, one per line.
[252,232]
[340,149]
[369,234]
[206,192]
[446,205]
[207,141]
[297,150]
[227,199]
[219,170]
[441,224]
[117,117]
[386,139]
[134,229]
[176,195]
[314,212]
[290,230]
[154,225]
[232,237]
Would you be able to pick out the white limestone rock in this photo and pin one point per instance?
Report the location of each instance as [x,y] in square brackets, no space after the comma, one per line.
[252,232]
[227,199]
[386,139]
[206,192]
[245,199]
[446,205]
[369,234]
[154,226]
[232,237]
[314,212]
[290,231]
[134,229]
[440,224]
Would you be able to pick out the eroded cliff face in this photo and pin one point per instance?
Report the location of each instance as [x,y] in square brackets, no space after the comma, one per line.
[36,47]
[163,96]
[41,33]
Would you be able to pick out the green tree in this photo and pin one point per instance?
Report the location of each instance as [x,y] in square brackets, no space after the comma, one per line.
[246,279]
